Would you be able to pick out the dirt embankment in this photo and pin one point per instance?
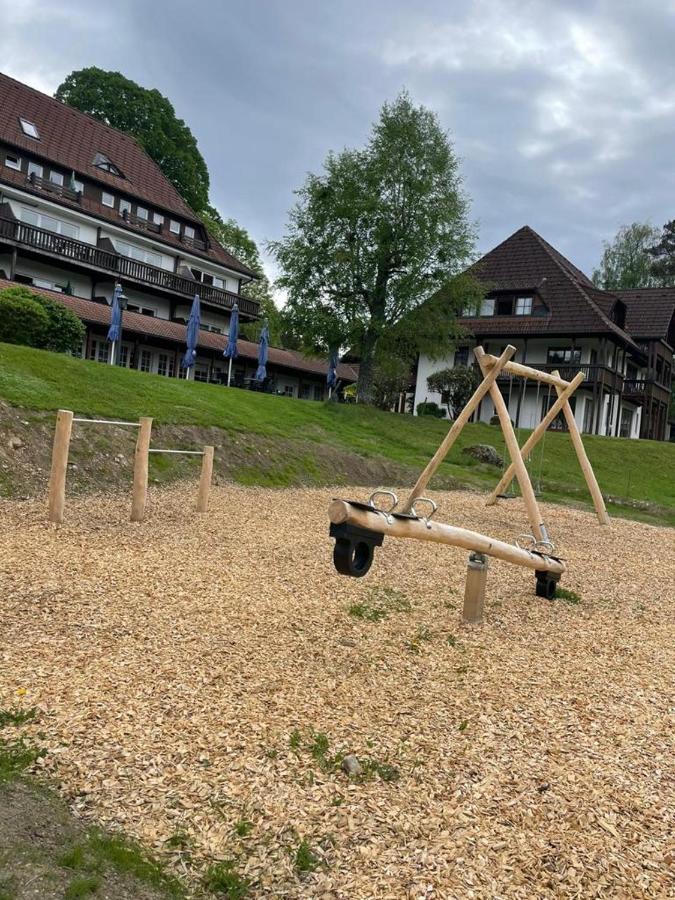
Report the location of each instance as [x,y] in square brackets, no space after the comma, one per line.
[101,458]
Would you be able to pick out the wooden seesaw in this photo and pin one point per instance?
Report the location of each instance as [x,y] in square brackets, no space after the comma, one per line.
[358,528]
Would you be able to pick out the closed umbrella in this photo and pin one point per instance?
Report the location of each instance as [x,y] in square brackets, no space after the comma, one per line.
[230,352]
[191,337]
[115,330]
[261,371]
[331,377]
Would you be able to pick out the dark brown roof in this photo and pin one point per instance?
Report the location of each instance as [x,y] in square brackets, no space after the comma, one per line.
[525,258]
[71,139]
[650,312]
[153,327]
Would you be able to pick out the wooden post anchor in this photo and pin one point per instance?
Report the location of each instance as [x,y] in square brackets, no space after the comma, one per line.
[474,592]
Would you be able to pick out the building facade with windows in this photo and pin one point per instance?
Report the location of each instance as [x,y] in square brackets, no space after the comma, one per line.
[539,302]
[83,207]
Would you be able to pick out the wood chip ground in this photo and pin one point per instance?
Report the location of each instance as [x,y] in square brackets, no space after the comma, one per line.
[183,667]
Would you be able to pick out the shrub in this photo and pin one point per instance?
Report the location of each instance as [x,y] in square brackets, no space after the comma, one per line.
[455,386]
[64,332]
[22,320]
[430,409]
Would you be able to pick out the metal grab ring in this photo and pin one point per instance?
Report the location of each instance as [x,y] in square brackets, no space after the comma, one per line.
[383,494]
[434,507]
[531,541]
[547,544]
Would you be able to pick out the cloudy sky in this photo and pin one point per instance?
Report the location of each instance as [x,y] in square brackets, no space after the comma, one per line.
[563,113]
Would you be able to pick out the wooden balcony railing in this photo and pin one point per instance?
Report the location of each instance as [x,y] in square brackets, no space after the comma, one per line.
[121,266]
[636,390]
[143,224]
[50,187]
[593,374]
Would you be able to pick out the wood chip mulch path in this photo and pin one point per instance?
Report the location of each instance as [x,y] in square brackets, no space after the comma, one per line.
[196,674]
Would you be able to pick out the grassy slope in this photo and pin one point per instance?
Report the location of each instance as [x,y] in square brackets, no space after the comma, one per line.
[640,470]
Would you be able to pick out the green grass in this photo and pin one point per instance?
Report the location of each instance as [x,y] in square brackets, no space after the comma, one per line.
[16,716]
[627,470]
[223,880]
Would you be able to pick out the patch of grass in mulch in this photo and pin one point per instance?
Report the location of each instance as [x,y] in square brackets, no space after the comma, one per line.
[317,745]
[568,596]
[223,880]
[379,603]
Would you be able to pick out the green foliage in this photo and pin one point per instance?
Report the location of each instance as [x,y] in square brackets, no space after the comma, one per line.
[385,771]
[223,879]
[373,237]
[17,716]
[15,757]
[22,320]
[295,739]
[663,255]
[455,387]
[83,886]
[51,326]
[626,261]
[379,604]
[567,595]
[243,827]
[305,859]
[430,409]
[150,118]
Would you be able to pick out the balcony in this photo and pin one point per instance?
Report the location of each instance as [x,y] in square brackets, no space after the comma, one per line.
[140,223]
[593,374]
[50,187]
[636,390]
[91,257]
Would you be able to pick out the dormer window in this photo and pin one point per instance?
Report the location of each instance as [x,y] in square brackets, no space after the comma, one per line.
[174,227]
[142,212]
[189,232]
[488,307]
[523,306]
[12,161]
[29,128]
[102,162]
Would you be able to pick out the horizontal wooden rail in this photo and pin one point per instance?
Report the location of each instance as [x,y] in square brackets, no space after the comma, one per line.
[183,452]
[522,371]
[107,422]
[342,511]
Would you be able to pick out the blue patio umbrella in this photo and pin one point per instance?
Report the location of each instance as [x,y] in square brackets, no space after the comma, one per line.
[191,337]
[261,371]
[230,352]
[115,330]
[331,377]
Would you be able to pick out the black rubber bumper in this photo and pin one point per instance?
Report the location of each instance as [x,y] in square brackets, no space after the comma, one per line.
[354,549]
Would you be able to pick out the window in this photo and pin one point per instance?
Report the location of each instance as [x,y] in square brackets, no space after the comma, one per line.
[13,162]
[29,128]
[102,162]
[138,253]
[76,184]
[563,356]
[99,351]
[523,306]
[201,373]
[488,307]
[163,364]
[189,232]
[125,207]
[504,306]
[56,178]
[157,219]
[318,392]
[123,356]
[49,223]
[174,227]
[287,391]
[142,212]
[146,361]
[304,391]
[108,199]
[218,282]
[461,356]
[35,169]
[559,423]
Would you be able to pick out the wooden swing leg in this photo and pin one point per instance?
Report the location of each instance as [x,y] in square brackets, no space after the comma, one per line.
[459,423]
[526,489]
[536,436]
[585,463]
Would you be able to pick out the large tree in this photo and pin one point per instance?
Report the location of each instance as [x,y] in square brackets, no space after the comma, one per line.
[150,118]
[663,255]
[626,261]
[373,237]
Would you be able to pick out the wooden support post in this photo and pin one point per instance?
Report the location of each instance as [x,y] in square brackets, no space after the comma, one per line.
[57,476]
[474,592]
[140,492]
[585,463]
[205,480]
[535,437]
[459,423]
[526,489]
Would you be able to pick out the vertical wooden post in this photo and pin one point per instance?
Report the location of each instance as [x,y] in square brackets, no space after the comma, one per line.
[57,476]
[526,489]
[585,463]
[474,592]
[140,491]
[205,480]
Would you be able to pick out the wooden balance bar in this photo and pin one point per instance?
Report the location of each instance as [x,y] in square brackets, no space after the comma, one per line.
[362,521]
